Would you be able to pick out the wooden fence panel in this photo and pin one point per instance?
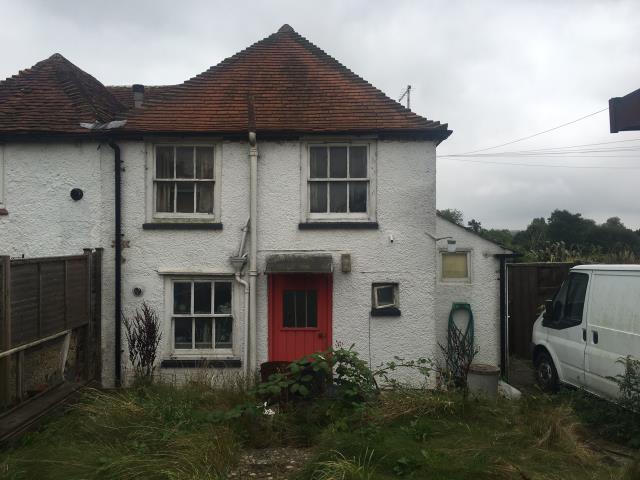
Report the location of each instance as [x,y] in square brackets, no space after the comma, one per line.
[51,297]
[529,285]
[25,281]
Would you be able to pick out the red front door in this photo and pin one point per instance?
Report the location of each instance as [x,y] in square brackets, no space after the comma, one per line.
[299,315]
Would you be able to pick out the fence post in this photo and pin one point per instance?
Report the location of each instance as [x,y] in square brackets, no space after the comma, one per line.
[88,336]
[96,319]
[5,329]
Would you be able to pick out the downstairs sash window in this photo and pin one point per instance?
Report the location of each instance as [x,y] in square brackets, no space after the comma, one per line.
[202,316]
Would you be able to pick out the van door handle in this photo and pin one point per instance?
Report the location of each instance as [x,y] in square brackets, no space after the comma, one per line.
[595,336]
[584,334]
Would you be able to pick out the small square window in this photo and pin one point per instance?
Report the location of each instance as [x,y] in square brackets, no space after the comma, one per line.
[384,299]
[455,266]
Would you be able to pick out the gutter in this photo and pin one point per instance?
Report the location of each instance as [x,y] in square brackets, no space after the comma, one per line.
[118,259]
[504,312]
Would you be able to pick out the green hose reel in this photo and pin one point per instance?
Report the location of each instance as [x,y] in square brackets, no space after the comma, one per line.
[468,334]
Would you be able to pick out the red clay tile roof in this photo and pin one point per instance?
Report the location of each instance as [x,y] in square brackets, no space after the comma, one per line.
[54,96]
[293,86]
[296,88]
[124,93]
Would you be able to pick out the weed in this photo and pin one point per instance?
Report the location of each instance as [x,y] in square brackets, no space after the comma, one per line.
[340,467]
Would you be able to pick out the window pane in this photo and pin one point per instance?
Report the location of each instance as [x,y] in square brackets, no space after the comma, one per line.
[289,309]
[312,310]
[164,196]
[338,162]
[357,197]
[454,265]
[182,297]
[204,332]
[204,197]
[318,197]
[182,333]
[204,162]
[338,196]
[224,332]
[184,162]
[164,162]
[575,297]
[559,301]
[318,162]
[202,297]
[358,162]
[222,297]
[300,309]
[184,203]
[385,296]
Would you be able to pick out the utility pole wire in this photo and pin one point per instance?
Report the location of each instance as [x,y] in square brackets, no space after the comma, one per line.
[536,134]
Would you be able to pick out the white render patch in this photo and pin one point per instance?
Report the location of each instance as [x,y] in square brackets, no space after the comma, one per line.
[43,220]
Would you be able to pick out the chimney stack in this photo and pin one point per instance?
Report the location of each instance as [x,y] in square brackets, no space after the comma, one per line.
[138,95]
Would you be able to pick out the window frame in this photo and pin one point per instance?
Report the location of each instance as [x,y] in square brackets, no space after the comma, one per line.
[468,252]
[317,217]
[212,352]
[565,322]
[195,217]
[386,309]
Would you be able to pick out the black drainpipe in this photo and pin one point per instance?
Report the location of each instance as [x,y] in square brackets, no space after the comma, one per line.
[118,259]
[504,321]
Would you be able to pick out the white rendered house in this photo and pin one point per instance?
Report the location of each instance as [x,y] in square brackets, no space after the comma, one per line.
[275,205]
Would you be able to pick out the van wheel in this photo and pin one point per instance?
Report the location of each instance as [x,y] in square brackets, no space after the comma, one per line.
[546,373]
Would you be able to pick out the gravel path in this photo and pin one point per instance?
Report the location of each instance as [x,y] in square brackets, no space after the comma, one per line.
[271,463]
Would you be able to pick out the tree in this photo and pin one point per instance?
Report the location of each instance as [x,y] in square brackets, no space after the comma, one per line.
[474,225]
[453,215]
[570,228]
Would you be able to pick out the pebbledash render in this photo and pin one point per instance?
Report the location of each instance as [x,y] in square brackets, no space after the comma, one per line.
[275,205]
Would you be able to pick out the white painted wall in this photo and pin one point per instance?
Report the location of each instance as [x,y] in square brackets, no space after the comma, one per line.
[43,220]
[482,291]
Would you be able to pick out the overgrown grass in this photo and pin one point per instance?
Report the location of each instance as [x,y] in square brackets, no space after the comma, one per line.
[166,432]
[154,432]
[607,419]
[435,436]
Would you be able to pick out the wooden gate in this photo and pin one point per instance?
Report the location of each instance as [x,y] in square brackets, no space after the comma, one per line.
[529,285]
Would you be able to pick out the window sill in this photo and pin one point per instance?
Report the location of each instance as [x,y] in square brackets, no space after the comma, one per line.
[181,226]
[202,363]
[338,225]
[386,312]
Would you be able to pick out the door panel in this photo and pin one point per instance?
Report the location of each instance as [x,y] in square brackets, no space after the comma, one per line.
[614,328]
[299,315]
[566,333]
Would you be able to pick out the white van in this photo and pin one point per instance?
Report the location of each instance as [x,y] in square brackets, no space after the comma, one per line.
[593,320]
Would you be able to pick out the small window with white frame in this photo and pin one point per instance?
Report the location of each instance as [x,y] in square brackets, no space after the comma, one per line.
[201,316]
[184,181]
[339,181]
[384,299]
[455,266]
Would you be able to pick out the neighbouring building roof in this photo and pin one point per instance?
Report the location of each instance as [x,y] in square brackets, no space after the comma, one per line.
[281,85]
[624,112]
[54,96]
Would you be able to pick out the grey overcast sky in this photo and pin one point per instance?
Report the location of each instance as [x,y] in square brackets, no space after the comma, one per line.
[494,70]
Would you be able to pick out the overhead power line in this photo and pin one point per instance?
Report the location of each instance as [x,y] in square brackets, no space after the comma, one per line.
[536,134]
[545,165]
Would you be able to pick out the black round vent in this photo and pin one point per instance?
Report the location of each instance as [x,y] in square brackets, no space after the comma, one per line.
[77,194]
